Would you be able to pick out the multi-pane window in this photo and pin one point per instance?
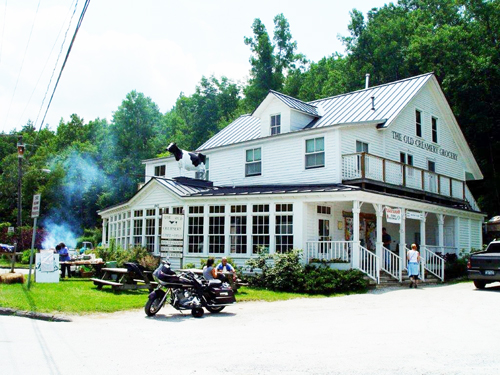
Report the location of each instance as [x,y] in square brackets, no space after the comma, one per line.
[177,210]
[418,123]
[260,227]
[325,210]
[275,124]
[361,147]
[195,229]
[434,130]
[138,231]
[408,160]
[315,152]
[160,170]
[216,238]
[253,165]
[150,234]
[238,229]
[284,227]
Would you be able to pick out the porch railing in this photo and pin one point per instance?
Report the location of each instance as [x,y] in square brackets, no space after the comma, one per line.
[432,262]
[367,166]
[391,263]
[369,264]
[328,250]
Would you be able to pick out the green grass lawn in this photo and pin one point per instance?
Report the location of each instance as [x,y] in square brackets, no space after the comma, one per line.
[80,296]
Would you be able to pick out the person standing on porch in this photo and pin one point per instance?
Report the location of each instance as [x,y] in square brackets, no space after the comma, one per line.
[386,239]
[413,257]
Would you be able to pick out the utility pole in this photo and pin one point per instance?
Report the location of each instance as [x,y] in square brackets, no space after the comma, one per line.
[20,156]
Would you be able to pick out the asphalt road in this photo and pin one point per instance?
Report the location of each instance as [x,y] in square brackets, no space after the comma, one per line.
[451,329]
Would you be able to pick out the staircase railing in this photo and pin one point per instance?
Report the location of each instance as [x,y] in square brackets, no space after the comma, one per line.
[391,263]
[369,264]
[432,262]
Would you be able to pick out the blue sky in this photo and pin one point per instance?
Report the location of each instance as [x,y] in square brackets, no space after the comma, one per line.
[160,48]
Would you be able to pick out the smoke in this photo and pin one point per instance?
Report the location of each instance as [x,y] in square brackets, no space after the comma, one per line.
[75,198]
[58,233]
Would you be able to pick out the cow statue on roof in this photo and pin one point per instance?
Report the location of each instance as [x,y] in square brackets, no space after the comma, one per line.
[190,161]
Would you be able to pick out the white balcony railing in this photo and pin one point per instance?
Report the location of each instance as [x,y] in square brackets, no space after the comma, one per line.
[370,167]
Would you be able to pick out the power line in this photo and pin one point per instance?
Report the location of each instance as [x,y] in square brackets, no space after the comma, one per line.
[84,10]
[22,63]
[46,62]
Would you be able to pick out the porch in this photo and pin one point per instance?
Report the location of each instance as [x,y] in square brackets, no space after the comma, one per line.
[367,261]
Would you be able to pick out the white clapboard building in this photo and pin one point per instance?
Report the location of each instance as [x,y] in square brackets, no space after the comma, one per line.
[325,177]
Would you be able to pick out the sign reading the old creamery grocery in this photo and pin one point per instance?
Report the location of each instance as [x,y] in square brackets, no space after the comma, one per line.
[424,145]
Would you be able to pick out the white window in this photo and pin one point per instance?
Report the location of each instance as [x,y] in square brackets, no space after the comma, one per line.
[361,146]
[160,170]
[216,238]
[315,153]
[408,160]
[434,130]
[238,229]
[195,229]
[138,228]
[418,123]
[260,227]
[284,228]
[253,165]
[275,124]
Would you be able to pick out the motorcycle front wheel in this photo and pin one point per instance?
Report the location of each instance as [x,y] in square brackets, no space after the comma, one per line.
[197,312]
[215,309]
[152,306]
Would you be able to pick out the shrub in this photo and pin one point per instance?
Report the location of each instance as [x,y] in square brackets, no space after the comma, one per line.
[288,274]
[190,265]
[25,258]
[149,262]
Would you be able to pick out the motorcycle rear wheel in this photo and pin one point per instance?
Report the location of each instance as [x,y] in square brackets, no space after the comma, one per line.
[215,310]
[152,306]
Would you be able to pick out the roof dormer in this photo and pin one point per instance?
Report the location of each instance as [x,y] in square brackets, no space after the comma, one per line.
[279,113]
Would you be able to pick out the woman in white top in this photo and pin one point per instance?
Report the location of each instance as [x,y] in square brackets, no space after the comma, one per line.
[413,257]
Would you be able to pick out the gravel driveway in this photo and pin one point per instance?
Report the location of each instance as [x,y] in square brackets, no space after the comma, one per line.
[451,329]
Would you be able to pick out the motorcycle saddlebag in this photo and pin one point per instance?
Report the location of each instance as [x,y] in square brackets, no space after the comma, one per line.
[222,295]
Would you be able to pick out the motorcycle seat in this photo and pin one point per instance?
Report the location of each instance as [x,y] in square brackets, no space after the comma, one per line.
[215,282]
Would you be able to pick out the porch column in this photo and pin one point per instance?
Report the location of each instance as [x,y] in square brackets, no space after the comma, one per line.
[131,243]
[272,228]
[422,230]
[440,220]
[298,226]
[104,231]
[143,238]
[379,210]
[227,229]
[402,238]
[157,230]
[355,229]
[206,229]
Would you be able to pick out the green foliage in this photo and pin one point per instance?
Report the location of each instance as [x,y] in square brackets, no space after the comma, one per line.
[190,265]
[25,257]
[137,254]
[286,273]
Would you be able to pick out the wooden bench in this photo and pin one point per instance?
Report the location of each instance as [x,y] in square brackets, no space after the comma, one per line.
[124,279]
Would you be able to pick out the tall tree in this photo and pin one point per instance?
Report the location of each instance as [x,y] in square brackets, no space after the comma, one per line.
[270,62]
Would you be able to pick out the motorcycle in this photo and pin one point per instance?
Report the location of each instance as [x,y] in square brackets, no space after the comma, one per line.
[187,291]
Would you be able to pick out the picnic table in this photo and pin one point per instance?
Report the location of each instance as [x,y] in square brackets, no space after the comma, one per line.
[96,265]
[125,279]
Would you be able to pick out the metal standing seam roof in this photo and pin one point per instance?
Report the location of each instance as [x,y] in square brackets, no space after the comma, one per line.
[354,107]
[273,189]
[180,189]
[297,104]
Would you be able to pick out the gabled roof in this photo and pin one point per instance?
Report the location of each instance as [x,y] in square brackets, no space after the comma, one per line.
[351,108]
[297,104]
